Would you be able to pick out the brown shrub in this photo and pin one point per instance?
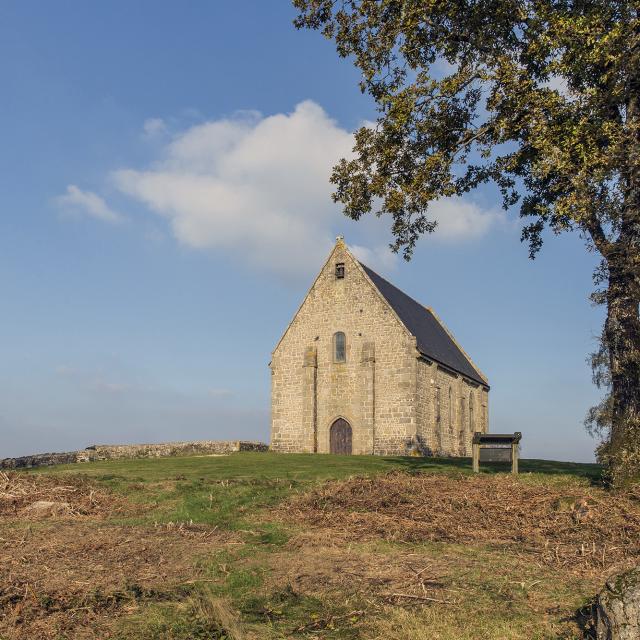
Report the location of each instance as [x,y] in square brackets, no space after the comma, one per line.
[582,527]
[26,495]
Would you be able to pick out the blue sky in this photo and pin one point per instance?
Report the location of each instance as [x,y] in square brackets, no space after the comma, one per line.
[164,205]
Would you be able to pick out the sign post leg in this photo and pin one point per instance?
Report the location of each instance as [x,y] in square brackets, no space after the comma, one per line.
[514,457]
[475,452]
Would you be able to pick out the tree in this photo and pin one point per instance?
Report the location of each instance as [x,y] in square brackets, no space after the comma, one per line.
[540,97]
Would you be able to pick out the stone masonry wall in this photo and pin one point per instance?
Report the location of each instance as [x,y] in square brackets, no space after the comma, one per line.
[39,460]
[395,400]
[374,389]
[450,430]
[115,452]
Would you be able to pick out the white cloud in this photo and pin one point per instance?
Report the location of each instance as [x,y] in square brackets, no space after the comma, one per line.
[258,189]
[559,84]
[442,67]
[153,127]
[250,184]
[88,204]
[459,219]
[380,258]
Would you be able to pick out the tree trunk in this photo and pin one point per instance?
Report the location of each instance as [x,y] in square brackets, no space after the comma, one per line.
[622,327]
[622,335]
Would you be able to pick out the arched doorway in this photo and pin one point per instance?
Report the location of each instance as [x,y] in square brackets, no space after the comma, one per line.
[340,437]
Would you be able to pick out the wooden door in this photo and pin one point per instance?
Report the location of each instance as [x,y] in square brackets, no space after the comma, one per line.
[340,437]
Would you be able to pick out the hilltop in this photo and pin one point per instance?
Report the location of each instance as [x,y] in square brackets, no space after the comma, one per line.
[260,545]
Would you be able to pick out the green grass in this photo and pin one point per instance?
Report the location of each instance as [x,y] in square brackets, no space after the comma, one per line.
[296,466]
[236,492]
[495,594]
[227,491]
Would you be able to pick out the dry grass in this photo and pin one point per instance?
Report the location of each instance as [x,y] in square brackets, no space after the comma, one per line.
[71,496]
[399,623]
[582,529]
[404,556]
[77,578]
[407,588]
[201,616]
[71,572]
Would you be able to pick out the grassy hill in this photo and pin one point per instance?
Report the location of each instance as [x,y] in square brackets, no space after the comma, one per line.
[260,545]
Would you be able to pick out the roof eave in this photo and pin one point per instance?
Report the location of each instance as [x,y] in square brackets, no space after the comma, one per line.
[482,383]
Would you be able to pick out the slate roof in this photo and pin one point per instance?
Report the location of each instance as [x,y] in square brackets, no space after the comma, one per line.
[433,340]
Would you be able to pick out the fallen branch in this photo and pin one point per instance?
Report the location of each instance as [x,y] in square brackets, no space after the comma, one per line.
[422,598]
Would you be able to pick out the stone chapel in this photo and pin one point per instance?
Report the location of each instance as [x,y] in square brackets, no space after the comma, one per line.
[363,368]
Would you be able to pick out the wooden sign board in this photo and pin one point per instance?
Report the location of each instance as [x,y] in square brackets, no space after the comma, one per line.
[495,454]
[496,447]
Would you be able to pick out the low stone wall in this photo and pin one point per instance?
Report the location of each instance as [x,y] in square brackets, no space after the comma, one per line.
[123,451]
[39,460]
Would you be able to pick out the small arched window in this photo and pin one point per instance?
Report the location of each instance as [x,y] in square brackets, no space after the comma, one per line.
[450,410]
[339,347]
[471,426]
